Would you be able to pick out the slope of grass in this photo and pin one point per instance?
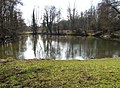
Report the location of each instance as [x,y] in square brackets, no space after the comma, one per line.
[101,73]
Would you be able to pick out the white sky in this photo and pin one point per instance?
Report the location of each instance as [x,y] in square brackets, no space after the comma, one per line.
[27,9]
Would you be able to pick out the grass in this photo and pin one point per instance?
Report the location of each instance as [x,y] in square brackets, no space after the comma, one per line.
[117,34]
[116,39]
[100,73]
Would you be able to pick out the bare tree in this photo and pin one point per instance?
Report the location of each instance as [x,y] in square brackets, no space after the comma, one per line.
[58,21]
[49,17]
[10,17]
[114,4]
[73,19]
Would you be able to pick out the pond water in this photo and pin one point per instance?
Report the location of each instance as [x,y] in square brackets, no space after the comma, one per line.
[59,48]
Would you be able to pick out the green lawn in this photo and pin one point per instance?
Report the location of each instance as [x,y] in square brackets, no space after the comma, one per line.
[100,73]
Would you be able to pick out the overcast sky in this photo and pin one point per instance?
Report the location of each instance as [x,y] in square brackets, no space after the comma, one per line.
[81,5]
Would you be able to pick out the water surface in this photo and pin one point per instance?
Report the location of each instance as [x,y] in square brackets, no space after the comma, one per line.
[59,48]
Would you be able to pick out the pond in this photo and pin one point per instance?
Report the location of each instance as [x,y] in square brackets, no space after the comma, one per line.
[59,48]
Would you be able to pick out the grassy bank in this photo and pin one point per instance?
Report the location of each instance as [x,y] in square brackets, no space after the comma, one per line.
[102,73]
[116,39]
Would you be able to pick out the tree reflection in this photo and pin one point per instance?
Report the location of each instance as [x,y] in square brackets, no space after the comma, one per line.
[59,48]
[35,43]
[51,48]
[9,49]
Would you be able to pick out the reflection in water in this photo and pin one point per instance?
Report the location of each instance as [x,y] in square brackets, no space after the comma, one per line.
[29,53]
[59,48]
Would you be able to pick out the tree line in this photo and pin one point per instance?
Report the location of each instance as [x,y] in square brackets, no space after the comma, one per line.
[103,19]
[11,22]
[97,21]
